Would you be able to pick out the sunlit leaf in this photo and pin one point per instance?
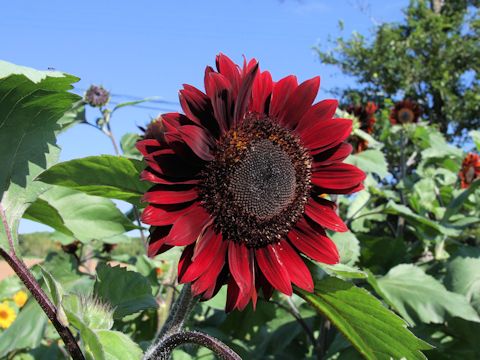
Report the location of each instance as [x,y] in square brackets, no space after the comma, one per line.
[373,330]
[105,175]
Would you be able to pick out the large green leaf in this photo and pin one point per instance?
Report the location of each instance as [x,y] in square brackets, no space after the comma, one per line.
[463,274]
[418,220]
[419,297]
[371,161]
[83,216]
[373,330]
[118,346]
[458,201]
[127,291]
[347,245]
[90,342]
[26,331]
[107,176]
[31,104]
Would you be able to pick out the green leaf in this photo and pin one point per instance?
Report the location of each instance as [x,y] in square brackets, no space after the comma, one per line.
[90,341]
[35,76]
[463,274]
[56,295]
[76,115]
[370,161]
[118,346]
[475,134]
[85,217]
[372,329]
[419,297]
[418,220]
[131,103]
[42,212]
[347,245]
[107,176]
[31,104]
[127,291]
[456,203]
[127,143]
[344,271]
[24,332]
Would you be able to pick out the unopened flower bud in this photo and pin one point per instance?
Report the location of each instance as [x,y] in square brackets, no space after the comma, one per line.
[97,96]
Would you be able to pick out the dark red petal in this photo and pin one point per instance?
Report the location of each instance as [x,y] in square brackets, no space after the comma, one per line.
[333,155]
[160,215]
[220,93]
[185,260]
[321,111]
[272,266]
[230,70]
[323,212]
[241,265]
[197,106]
[207,282]
[233,293]
[189,226]
[146,146]
[314,243]
[281,91]
[157,240]
[298,271]
[261,91]
[244,94]
[299,102]
[326,134]
[205,251]
[337,176]
[152,176]
[169,164]
[170,196]
[198,140]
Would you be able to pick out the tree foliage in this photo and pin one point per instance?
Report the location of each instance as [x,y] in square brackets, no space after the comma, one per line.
[432,57]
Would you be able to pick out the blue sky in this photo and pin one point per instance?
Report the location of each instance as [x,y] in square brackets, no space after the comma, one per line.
[150,48]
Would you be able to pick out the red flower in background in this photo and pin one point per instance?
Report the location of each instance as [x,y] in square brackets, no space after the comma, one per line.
[470,170]
[366,117]
[404,112]
[238,180]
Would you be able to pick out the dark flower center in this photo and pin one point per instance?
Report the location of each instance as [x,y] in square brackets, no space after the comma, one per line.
[405,115]
[257,186]
[264,183]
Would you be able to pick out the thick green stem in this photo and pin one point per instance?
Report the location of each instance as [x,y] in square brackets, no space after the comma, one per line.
[34,287]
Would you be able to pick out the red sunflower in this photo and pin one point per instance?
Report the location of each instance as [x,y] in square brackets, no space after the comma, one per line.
[366,117]
[238,180]
[470,170]
[404,112]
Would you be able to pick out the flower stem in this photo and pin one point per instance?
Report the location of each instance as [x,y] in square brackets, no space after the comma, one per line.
[180,311]
[172,334]
[32,285]
[169,343]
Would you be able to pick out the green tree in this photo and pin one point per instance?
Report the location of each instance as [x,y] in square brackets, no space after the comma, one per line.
[432,57]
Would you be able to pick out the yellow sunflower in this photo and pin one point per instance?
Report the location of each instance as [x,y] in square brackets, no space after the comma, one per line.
[7,315]
[20,298]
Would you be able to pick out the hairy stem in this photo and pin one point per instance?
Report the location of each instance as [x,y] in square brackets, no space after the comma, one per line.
[33,286]
[179,312]
[164,349]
